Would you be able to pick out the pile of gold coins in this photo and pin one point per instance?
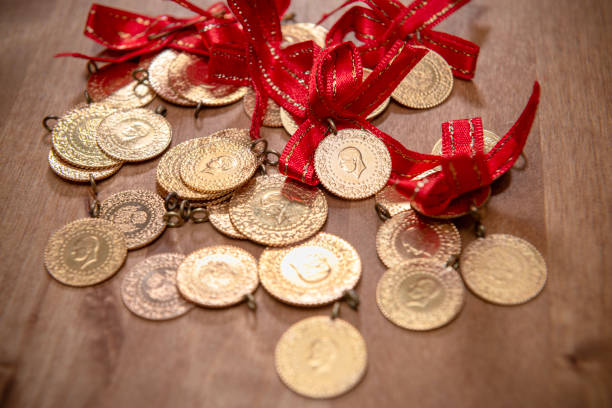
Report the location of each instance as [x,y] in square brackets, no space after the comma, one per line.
[228,179]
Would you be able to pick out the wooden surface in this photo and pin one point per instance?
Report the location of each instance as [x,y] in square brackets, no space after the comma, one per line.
[67,347]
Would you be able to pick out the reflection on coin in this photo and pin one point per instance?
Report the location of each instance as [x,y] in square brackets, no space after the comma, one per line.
[490,139]
[218,276]
[219,165]
[149,289]
[274,210]
[392,200]
[300,32]
[134,135]
[158,76]
[408,236]
[109,79]
[272,116]
[420,294]
[428,84]
[188,75]
[139,214]
[74,137]
[353,163]
[68,172]
[220,219]
[133,95]
[314,273]
[321,358]
[85,252]
[503,269]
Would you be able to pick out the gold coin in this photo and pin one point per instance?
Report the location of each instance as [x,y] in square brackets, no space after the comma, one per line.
[133,95]
[218,166]
[272,116]
[300,32]
[139,214]
[275,210]
[353,163]
[420,294]
[158,76]
[187,76]
[218,276]
[68,172]
[392,200]
[490,139]
[220,219]
[109,79]
[85,252]
[314,273]
[380,108]
[428,84]
[503,269]
[134,135]
[149,289]
[407,236]
[321,358]
[74,137]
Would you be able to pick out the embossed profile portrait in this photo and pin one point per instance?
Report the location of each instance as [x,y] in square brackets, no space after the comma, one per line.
[134,132]
[322,354]
[312,268]
[417,241]
[130,218]
[216,274]
[158,286]
[275,209]
[351,161]
[420,292]
[423,76]
[218,165]
[85,252]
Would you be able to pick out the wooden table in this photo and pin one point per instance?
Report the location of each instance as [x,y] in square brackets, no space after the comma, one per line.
[67,347]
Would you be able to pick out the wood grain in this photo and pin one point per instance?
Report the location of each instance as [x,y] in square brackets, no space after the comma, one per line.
[69,347]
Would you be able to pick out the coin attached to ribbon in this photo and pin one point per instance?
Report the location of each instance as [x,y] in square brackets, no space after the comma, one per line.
[272,116]
[490,139]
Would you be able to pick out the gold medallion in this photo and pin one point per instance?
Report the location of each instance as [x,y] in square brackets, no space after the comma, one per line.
[134,135]
[428,84]
[380,108]
[271,118]
[408,236]
[276,211]
[490,139]
[300,32]
[149,289]
[133,95]
[74,137]
[139,214]
[218,276]
[68,172]
[85,252]
[108,79]
[503,269]
[392,200]
[219,217]
[420,294]
[352,164]
[188,75]
[158,76]
[314,273]
[321,358]
[218,166]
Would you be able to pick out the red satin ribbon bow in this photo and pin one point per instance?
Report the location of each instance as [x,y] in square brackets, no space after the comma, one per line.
[387,21]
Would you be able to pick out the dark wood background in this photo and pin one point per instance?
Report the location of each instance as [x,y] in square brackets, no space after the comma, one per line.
[62,346]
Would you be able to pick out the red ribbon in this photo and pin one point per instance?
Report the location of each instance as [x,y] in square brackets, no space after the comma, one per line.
[387,21]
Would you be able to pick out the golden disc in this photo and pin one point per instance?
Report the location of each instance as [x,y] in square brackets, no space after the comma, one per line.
[321,358]
[188,75]
[490,139]
[139,214]
[133,95]
[85,252]
[275,210]
[218,276]
[392,200]
[352,164]
[420,294]
[218,166]
[313,273]
[134,135]
[74,137]
[380,108]
[158,76]
[149,288]
[300,32]
[428,84]
[407,236]
[219,217]
[271,118]
[503,269]
[68,172]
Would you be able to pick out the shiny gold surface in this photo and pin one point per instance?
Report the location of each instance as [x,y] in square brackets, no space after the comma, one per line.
[490,139]
[158,76]
[133,95]
[271,118]
[300,32]
[392,200]
[220,219]
[68,172]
